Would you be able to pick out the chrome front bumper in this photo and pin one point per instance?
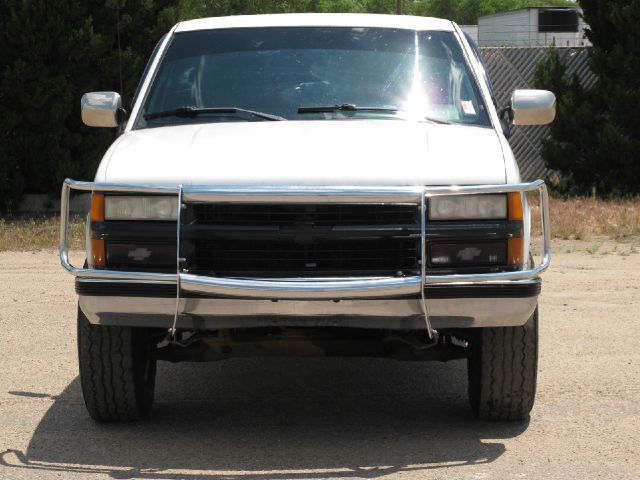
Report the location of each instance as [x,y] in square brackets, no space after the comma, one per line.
[387,313]
[377,297]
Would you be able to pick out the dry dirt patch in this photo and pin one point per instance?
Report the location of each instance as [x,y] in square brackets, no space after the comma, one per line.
[331,418]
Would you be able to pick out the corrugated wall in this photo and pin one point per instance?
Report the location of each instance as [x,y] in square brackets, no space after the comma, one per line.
[507,28]
[513,67]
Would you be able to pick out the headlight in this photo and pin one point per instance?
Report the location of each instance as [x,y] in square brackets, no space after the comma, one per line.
[140,208]
[474,207]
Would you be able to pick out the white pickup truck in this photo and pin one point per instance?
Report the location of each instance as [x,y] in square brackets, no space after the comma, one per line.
[304,185]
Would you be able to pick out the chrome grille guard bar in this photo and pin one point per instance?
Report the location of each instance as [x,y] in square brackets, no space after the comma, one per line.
[301,288]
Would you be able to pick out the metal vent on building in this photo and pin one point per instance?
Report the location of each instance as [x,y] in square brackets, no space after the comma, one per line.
[558,20]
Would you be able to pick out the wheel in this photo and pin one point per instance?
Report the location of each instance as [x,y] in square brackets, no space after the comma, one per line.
[502,370]
[117,378]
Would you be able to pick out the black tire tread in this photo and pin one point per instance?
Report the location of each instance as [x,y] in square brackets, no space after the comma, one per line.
[503,370]
[107,359]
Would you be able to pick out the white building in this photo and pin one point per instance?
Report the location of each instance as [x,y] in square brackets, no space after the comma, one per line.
[533,27]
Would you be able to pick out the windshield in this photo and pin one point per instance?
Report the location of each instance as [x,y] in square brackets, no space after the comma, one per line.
[283,71]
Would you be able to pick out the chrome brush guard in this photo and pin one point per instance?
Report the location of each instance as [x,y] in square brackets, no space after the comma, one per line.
[304,288]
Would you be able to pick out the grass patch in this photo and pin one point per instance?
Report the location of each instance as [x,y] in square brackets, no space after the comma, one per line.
[25,234]
[583,218]
[593,249]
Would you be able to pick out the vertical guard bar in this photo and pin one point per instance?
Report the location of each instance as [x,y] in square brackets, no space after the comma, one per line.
[545,221]
[64,222]
[178,263]
[423,264]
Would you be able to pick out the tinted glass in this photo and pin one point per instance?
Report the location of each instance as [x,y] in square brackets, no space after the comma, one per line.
[277,70]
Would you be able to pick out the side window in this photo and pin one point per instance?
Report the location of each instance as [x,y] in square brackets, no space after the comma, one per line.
[476,53]
[451,90]
[146,69]
[178,85]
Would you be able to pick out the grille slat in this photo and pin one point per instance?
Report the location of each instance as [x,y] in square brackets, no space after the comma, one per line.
[301,251]
[319,214]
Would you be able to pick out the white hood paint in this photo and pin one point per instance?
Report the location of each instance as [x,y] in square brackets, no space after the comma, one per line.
[349,152]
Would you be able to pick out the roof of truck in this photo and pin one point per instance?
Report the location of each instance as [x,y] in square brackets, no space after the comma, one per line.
[318,20]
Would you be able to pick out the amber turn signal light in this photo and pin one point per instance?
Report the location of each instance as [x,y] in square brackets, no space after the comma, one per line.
[515,247]
[514,206]
[97,207]
[97,253]
[515,253]
[96,257]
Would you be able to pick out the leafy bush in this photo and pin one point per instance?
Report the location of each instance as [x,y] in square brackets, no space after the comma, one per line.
[596,135]
[53,52]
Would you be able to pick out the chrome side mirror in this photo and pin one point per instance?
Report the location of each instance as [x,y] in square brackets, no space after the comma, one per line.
[533,107]
[102,109]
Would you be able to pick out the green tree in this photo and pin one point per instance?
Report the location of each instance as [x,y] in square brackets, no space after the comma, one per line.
[576,116]
[615,59]
[44,63]
[596,135]
[53,52]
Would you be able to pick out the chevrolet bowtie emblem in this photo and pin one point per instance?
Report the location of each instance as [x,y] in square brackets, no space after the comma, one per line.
[139,254]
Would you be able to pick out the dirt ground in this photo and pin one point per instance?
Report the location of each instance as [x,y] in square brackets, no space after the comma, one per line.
[332,418]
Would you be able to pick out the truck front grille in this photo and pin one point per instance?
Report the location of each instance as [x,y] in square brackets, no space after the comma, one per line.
[324,214]
[273,240]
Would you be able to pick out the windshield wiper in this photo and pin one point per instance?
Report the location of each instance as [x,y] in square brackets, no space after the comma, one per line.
[190,112]
[436,120]
[350,107]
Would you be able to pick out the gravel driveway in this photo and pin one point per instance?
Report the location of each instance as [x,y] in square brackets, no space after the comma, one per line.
[330,418]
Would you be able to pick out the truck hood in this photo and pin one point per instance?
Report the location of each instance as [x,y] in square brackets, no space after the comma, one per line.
[349,152]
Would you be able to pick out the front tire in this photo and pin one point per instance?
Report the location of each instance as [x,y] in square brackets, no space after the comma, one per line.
[117,377]
[503,369]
